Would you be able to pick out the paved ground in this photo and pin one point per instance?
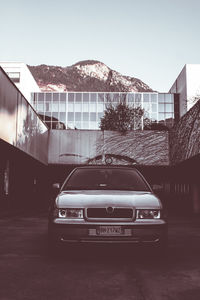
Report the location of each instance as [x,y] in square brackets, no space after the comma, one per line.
[94,273]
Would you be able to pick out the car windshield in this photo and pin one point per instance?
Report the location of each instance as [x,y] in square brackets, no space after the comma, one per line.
[105,179]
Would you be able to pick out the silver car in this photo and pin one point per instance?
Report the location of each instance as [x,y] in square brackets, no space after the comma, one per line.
[106,204]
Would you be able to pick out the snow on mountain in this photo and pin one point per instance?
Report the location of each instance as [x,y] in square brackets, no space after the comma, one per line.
[97,70]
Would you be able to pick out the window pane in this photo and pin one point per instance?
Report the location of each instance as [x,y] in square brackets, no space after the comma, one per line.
[100,107]
[62,106]
[161,107]
[138,97]
[70,116]
[70,125]
[161,116]
[40,106]
[93,107]
[169,107]
[100,115]
[85,116]
[92,116]
[101,97]
[154,117]
[55,106]
[93,125]
[168,116]
[78,97]
[161,97]
[78,125]
[71,97]
[48,106]
[138,100]
[55,97]
[33,98]
[154,107]
[63,97]
[54,116]
[70,106]
[14,76]
[62,117]
[116,98]
[93,97]
[85,125]
[78,116]
[146,97]
[130,97]
[85,97]
[41,97]
[146,106]
[154,98]
[168,98]
[78,106]
[85,107]
[48,96]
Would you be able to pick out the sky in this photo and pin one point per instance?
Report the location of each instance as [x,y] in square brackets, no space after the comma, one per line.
[148,39]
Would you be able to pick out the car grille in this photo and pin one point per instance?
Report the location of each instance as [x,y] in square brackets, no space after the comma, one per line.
[105,213]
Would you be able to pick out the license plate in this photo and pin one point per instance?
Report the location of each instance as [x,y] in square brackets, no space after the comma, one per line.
[110,230]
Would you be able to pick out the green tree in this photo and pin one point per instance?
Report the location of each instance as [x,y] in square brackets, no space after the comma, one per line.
[122,118]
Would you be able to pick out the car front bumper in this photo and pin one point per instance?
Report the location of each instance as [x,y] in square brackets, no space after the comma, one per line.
[140,231]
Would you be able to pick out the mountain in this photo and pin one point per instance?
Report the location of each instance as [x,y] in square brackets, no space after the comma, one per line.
[86,76]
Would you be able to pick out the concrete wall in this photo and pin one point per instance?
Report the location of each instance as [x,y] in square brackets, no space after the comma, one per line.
[97,147]
[19,124]
[180,87]
[193,84]
[187,85]
[27,84]
[185,136]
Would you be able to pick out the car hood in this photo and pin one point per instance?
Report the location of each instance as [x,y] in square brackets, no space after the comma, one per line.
[102,198]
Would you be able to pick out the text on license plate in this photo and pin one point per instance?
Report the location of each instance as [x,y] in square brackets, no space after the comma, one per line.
[110,230]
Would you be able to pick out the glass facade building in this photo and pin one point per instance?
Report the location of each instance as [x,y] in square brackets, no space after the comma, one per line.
[83,110]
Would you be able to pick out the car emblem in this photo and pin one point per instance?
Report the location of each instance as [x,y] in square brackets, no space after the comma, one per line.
[110,210]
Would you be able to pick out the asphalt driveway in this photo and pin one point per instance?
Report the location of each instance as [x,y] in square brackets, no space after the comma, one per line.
[27,271]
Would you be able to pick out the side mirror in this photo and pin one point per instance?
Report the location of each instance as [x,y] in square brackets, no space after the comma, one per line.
[56,186]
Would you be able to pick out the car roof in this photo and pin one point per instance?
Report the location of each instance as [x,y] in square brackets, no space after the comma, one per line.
[106,167]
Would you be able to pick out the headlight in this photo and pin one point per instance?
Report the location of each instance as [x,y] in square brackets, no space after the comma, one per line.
[148,214]
[70,213]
